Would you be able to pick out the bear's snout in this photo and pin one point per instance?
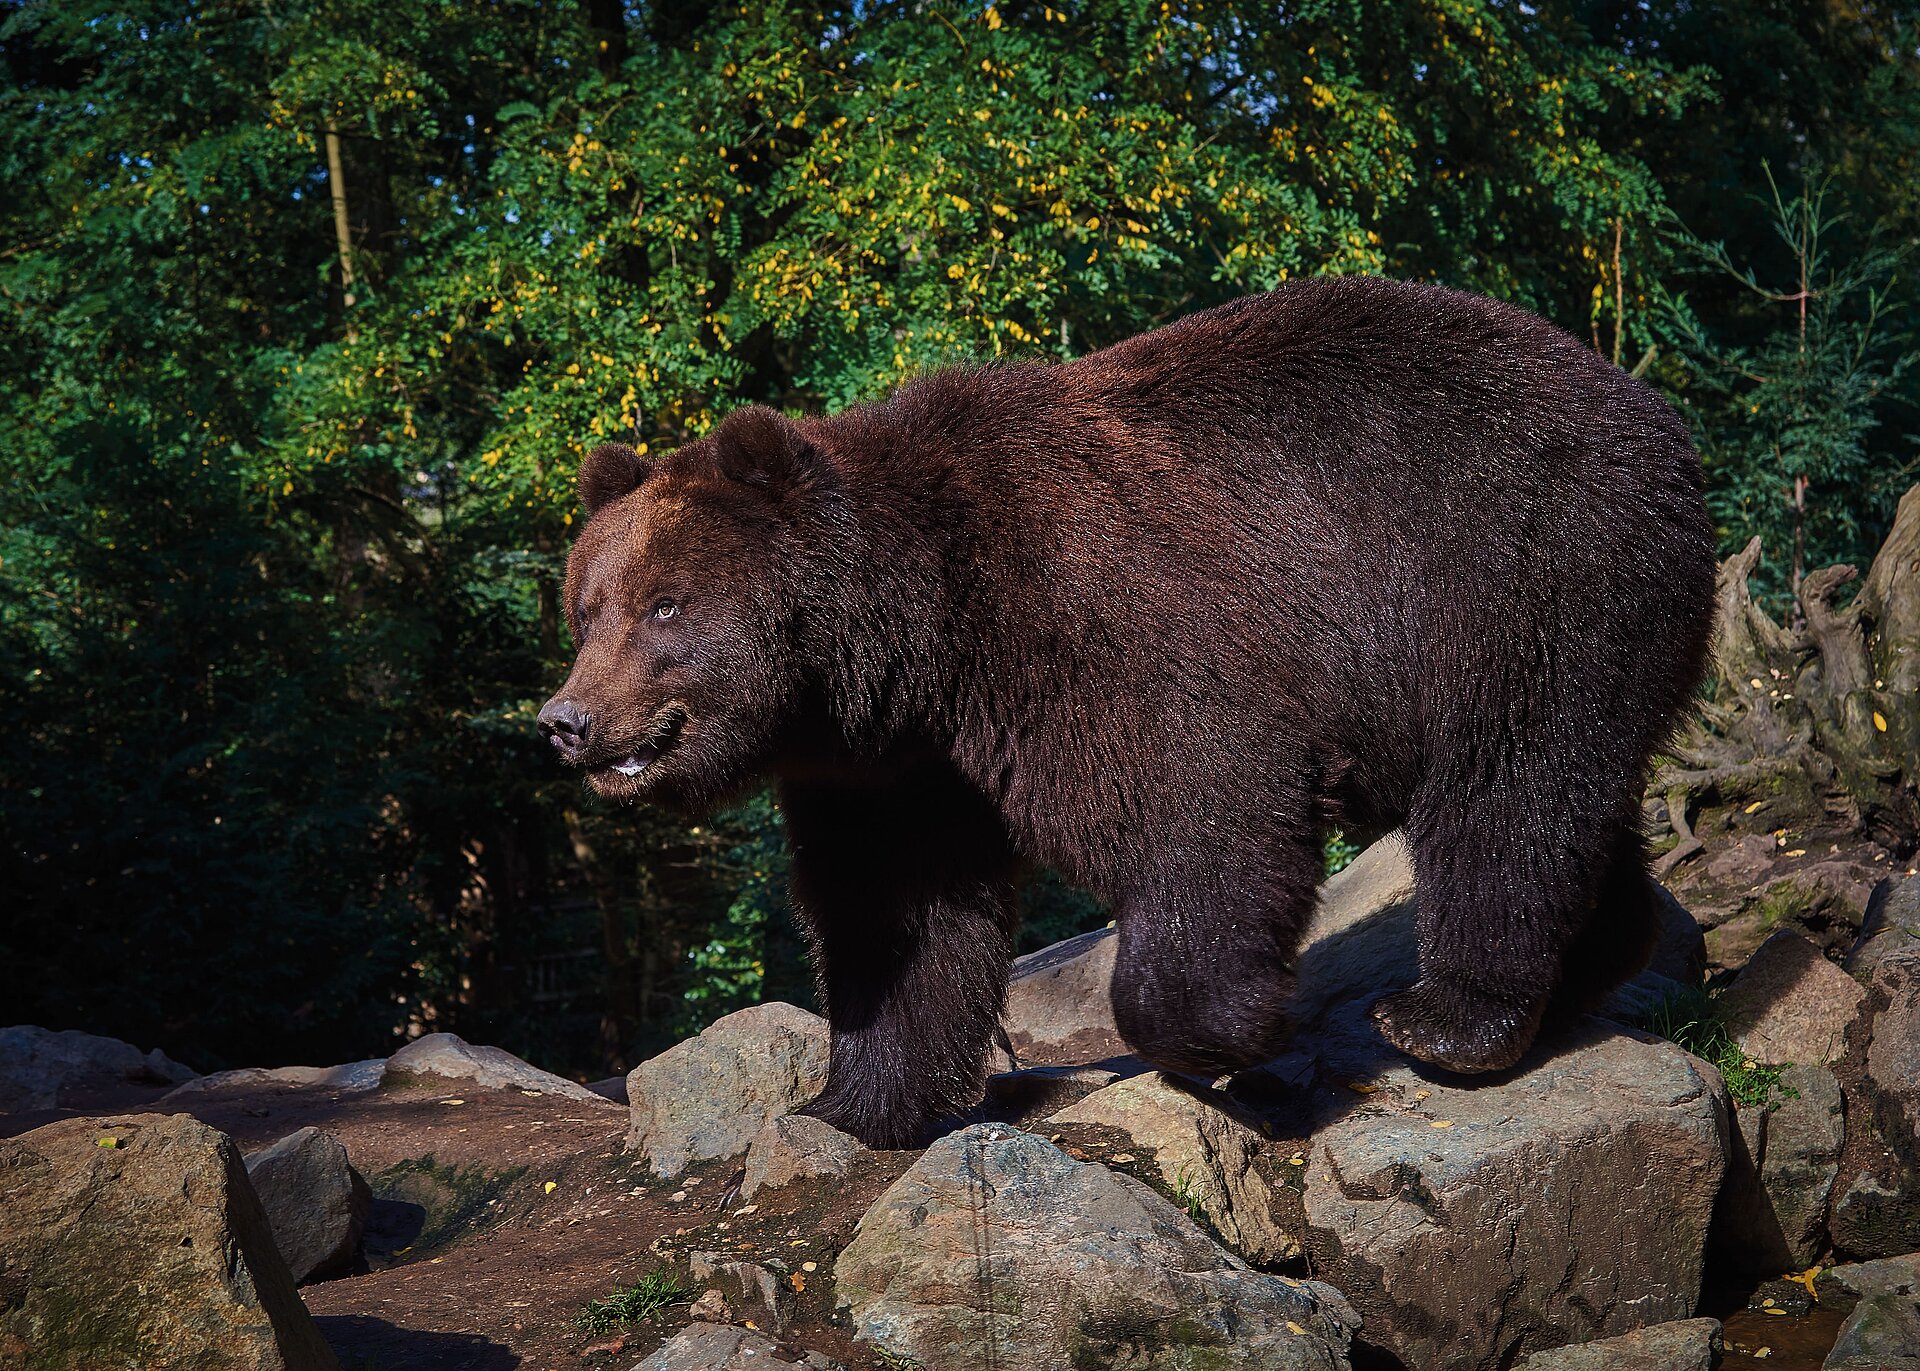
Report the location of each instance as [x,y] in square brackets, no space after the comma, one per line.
[567,727]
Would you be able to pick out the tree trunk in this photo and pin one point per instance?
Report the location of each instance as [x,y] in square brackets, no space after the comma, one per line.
[342,226]
[1818,724]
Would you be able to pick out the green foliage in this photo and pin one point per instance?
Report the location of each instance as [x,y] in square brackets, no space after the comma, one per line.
[1693,1019]
[282,517]
[653,1293]
[1789,425]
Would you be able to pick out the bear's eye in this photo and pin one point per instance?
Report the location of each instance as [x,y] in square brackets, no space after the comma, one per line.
[665,610]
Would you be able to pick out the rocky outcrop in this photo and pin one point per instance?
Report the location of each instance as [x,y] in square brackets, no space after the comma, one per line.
[315,1202]
[453,1057]
[711,1347]
[997,1249]
[1773,1214]
[44,1069]
[1211,1161]
[1684,1345]
[794,1147]
[708,1096]
[137,1242]
[1790,1004]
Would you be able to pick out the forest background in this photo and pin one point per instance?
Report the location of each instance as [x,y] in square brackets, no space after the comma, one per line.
[311,307]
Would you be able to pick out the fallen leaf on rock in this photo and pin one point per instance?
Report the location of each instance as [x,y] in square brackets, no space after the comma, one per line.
[107,1142]
[551,1186]
[453,1102]
[1295,1328]
[1362,1087]
[1441,1123]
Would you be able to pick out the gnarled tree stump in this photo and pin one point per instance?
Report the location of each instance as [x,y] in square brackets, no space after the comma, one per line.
[1820,720]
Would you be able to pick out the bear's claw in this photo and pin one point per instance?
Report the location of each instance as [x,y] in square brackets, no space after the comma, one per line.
[1449,1025]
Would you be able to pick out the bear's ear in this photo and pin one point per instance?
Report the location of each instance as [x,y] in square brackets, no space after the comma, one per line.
[758,447]
[610,471]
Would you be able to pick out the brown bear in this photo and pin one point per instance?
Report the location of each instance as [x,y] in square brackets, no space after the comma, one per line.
[1353,551]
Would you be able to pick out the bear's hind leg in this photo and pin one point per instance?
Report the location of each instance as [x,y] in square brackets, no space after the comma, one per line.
[1504,888]
[1203,977]
[1617,938]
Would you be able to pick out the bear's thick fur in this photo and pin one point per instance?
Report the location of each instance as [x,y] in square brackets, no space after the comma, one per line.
[1352,551]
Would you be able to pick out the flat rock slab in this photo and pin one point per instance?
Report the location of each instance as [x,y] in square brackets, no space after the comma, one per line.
[1790,1004]
[41,1068]
[708,1096]
[316,1203]
[490,1068]
[795,1147]
[151,1251]
[1684,1345]
[715,1347]
[1472,1221]
[997,1249]
[347,1078]
[1059,1002]
[1883,1331]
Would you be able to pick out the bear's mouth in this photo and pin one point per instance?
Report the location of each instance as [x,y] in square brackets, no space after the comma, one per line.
[661,738]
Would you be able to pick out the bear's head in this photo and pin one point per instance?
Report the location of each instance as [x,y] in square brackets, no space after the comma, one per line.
[683,591]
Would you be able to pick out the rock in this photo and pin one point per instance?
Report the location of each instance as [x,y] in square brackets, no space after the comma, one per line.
[1042,1090]
[1685,1345]
[708,1096]
[1876,1212]
[1893,1057]
[1883,1331]
[1773,1215]
[1891,927]
[1791,1004]
[489,1068]
[997,1249]
[761,1296]
[44,1069]
[346,1079]
[611,1088]
[1058,1004]
[710,1347]
[316,1204]
[1207,1158]
[711,1307]
[792,1147]
[1474,1221]
[150,1252]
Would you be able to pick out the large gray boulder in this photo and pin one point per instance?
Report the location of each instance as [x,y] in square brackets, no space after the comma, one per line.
[315,1202]
[1893,1056]
[1208,1158]
[44,1069]
[997,1249]
[1790,1004]
[1773,1215]
[1685,1345]
[1882,1333]
[135,1243]
[708,1096]
[1474,1221]
[490,1068]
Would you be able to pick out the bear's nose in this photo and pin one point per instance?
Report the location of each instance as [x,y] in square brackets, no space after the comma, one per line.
[566,726]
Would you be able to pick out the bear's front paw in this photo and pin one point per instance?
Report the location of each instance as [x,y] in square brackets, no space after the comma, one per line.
[1448,1024]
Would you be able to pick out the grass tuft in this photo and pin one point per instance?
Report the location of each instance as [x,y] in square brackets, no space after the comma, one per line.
[1693,1019]
[632,1303]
